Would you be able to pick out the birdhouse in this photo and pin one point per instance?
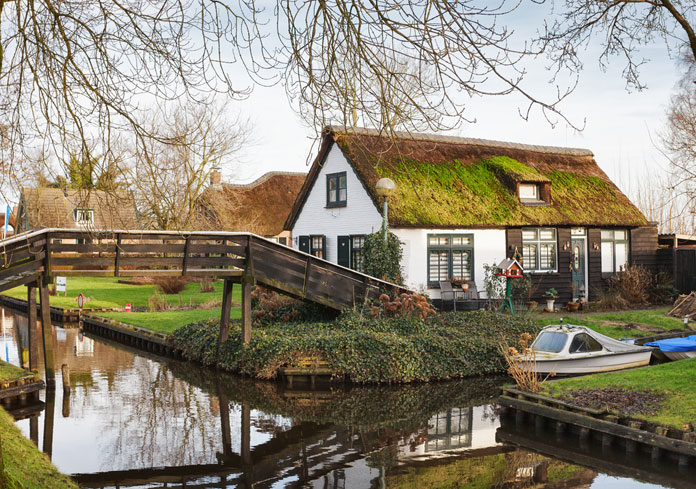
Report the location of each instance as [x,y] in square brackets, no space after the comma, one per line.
[510,268]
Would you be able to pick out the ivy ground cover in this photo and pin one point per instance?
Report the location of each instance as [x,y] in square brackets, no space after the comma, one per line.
[381,350]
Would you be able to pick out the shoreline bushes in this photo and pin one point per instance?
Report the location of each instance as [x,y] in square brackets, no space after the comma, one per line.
[365,350]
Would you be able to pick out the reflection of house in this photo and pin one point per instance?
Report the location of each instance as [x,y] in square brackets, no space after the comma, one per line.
[450,429]
[259,207]
[461,203]
[75,209]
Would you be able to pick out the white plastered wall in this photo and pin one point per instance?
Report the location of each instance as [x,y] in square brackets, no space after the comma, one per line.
[489,248]
[359,216]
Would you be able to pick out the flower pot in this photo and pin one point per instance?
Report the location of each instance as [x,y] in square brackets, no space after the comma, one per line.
[465,287]
[572,306]
[532,305]
[549,304]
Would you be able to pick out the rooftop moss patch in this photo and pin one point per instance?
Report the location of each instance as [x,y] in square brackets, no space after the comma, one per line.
[456,182]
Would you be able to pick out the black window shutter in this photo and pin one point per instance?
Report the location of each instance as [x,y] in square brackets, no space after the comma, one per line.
[323,247]
[344,251]
[304,244]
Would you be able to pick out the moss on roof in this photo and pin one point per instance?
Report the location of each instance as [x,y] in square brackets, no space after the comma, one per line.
[451,184]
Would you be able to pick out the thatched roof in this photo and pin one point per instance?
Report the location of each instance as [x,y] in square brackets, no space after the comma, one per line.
[55,207]
[259,207]
[447,182]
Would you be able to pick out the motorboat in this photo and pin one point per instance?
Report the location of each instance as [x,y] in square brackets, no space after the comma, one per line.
[576,350]
[676,348]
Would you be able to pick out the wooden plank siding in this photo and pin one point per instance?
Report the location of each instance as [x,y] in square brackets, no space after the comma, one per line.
[240,257]
[643,251]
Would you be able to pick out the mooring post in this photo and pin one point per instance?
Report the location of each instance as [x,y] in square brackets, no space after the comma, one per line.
[32,330]
[47,337]
[65,372]
[247,282]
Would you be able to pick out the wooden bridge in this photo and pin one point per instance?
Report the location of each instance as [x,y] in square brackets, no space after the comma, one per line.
[33,258]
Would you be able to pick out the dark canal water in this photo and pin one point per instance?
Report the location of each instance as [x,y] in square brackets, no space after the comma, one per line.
[136,420]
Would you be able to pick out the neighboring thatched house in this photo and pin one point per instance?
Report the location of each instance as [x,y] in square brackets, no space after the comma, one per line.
[259,207]
[75,209]
[461,203]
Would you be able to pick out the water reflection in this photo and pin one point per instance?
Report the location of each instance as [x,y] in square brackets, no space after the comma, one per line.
[136,420]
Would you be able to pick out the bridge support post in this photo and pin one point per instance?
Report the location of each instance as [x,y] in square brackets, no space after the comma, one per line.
[47,337]
[225,310]
[247,283]
[32,331]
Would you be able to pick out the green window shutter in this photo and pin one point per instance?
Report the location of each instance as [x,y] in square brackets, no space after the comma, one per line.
[304,244]
[344,251]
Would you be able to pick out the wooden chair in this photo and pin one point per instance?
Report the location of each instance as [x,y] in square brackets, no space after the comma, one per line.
[445,290]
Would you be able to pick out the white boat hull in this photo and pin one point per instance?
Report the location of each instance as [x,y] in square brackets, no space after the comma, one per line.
[679,355]
[592,363]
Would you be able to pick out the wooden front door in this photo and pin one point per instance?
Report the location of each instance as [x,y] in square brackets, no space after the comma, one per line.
[577,265]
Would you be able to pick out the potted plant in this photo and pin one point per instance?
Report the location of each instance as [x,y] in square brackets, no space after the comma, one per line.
[572,306]
[550,295]
[532,305]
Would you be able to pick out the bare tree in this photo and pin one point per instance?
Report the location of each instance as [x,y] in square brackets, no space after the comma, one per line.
[169,174]
[75,71]
[622,27]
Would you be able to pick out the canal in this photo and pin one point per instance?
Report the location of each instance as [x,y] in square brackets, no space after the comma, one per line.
[134,419]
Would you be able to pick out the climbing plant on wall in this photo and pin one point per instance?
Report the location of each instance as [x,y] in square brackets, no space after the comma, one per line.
[383,260]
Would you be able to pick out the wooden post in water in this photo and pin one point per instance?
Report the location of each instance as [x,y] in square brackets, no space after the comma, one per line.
[65,373]
[48,422]
[32,336]
[47,337]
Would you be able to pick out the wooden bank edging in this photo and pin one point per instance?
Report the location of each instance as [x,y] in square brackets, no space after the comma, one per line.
[609,427]
[128,334]
[59,315]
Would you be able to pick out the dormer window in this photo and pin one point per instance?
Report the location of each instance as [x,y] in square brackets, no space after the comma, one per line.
[534,193]
[83,217]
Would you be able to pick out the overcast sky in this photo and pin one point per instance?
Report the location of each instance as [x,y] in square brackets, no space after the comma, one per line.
[621,128]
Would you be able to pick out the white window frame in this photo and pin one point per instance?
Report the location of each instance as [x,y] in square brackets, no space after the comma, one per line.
[609,239]
[77,213]
[538,242]
[533,198]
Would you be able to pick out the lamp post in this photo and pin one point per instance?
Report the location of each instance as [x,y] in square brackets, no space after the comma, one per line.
[384,188]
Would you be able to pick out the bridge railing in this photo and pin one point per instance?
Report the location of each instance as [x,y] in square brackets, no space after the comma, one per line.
[236,256]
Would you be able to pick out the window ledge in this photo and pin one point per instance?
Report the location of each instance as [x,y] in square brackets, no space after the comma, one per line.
[535,203]
[337,204]
[541,272]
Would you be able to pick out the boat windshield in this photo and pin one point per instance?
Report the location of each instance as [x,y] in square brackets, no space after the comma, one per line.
[550,341]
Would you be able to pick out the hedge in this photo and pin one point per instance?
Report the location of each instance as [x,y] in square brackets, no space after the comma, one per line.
[385,350]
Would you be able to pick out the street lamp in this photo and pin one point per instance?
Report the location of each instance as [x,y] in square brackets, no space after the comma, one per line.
[384,188]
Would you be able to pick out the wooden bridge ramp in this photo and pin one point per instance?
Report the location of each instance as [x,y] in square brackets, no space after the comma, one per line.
[33,258]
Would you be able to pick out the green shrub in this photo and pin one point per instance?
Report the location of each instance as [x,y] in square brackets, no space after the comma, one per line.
[384,350]
[382,260]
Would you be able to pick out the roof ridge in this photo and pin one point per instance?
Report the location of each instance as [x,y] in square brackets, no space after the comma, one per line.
[439,138]
[264,178]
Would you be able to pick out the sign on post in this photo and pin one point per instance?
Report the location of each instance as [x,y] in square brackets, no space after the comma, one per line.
[80,300]
[62,285]
[128,308]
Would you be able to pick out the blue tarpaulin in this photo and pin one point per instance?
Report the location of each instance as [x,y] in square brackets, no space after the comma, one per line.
[675,344]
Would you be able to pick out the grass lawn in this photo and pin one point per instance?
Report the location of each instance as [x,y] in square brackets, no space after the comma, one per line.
[105,292]
[168,321]
[25,466]
[8,371]
[676,379]
[622,324]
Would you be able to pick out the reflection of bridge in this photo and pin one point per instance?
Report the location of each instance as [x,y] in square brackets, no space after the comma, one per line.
[32,258]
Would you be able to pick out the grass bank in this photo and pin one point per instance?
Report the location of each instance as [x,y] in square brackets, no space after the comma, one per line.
[622,324]
[106,292]
[25,466]
[676,380]
[9,371]
[168,321]
[382,350]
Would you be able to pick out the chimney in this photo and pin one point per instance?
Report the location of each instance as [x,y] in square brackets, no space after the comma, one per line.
[215,177]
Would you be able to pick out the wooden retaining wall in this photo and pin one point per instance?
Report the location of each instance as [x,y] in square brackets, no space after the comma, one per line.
[631,434]
[127,334]
[59,315]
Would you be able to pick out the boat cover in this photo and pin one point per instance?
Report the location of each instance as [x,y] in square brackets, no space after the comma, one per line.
[675,344]
[610,344]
